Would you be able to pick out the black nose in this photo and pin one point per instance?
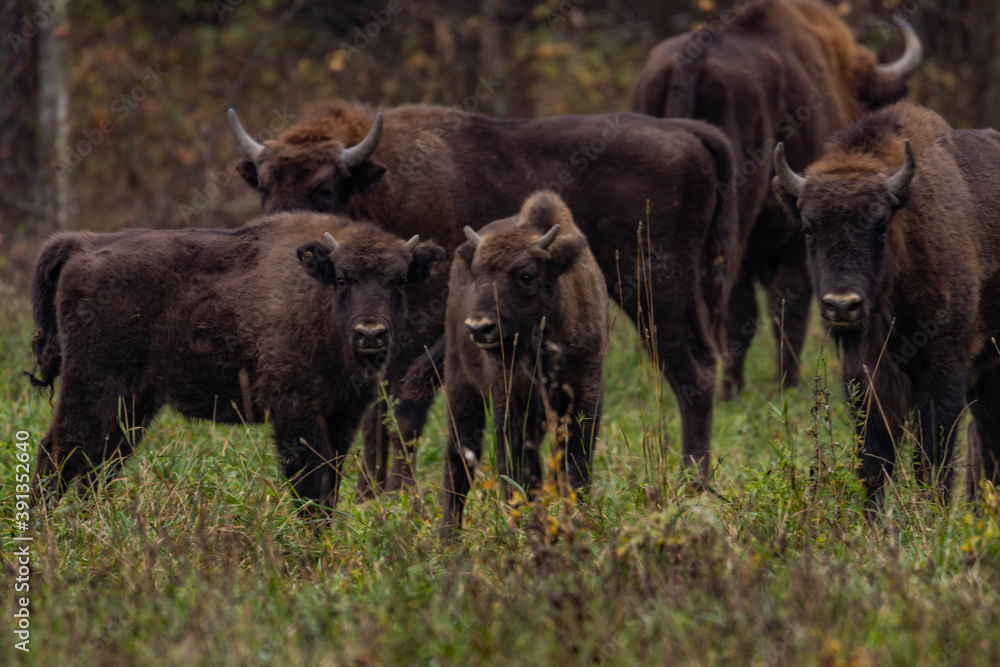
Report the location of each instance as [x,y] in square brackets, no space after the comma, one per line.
[843,308]
[483,332]
[370,336]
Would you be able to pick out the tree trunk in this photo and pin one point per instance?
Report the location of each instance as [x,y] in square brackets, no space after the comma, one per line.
[491,58]
[57,168]
[20,197]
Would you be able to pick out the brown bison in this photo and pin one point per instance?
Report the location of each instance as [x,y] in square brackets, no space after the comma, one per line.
[902,223]
[527,328]
[782,70]
[268,319]
[432,170]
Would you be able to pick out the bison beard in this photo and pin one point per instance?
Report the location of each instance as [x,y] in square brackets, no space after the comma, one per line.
[756,78]
[436,170]
[902,220]
[285,318]
[527,328]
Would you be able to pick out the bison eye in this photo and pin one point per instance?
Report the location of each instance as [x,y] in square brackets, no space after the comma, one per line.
[322,196]
[527,278]
[341,282]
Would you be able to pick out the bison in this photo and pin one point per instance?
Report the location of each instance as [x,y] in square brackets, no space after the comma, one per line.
[527,329]
[290,316]
[782,70]
[901,217]
[433,170]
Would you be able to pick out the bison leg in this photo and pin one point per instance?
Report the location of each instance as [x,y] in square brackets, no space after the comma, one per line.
[132,420]
[411,417]
[985,399]
[877,451]
[518,438]
[741,325]
[311,458]
[578,450]
[465,442]
[973,463]
[790,294]
[684,352]
[92,426]
[938,429]
[376,452]
[692,379]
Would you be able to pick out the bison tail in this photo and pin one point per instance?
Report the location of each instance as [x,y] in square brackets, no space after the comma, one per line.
[670,89]
[722,242]
[682,89]
[45,345]
[425,373]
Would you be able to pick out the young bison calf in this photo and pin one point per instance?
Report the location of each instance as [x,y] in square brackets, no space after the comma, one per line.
[526,328]
[291,316]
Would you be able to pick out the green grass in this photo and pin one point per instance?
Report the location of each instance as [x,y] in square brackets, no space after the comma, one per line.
[196,556]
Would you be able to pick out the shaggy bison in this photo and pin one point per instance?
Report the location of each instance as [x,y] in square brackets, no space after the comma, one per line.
[783,70]
[223,325]
[431,170]
[527,328]
[902,223]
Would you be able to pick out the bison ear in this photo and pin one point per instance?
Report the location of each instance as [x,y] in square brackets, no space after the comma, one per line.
[566,251]
[425,257]
[315,259]
[465,252]
[878,90]
[248,170]
[789,201]
[366,176]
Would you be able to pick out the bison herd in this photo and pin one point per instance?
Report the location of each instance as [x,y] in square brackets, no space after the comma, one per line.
[674,211]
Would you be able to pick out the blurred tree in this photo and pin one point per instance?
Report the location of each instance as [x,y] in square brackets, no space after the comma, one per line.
[62,204]
[171,153]
[20,197]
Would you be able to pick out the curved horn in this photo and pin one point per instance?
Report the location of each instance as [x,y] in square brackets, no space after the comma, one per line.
[792,182]
[331,242]
[474,239]
[412,243]
[899,181]
[355,155]
[244,142]
[549,237]
[912,55]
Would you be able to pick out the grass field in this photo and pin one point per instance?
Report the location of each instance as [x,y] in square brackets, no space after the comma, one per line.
[196,556]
